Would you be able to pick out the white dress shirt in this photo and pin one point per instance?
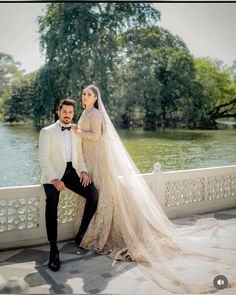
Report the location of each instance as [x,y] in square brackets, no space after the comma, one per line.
[68,142]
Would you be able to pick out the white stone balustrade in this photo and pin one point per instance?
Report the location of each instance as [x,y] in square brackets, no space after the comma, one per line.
[186,192]
[180,193]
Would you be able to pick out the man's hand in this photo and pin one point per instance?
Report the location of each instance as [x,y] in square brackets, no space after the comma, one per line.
[58,184]
[84,178]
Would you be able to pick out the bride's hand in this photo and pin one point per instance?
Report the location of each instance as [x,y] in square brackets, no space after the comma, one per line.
[84,178]
[75,128]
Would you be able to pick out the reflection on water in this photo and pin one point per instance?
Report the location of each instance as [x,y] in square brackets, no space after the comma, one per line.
[174,149]
[18,155]
[181,149]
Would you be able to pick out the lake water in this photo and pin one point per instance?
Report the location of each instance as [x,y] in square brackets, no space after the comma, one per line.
[173,149]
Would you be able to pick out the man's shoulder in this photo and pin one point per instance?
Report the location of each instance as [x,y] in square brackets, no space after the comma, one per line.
[49,127]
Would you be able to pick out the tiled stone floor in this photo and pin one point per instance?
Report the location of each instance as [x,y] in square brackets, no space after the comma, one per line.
[84,272]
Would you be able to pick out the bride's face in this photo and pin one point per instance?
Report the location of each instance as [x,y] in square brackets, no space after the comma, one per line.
[88,98]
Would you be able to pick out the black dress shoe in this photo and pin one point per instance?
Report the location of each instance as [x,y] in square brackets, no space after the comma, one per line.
[54,261]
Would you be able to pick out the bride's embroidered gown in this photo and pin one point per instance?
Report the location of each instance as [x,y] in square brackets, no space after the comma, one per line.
[102,235]
[130,224]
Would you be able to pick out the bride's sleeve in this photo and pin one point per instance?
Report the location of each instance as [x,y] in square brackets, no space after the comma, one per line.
[96,127]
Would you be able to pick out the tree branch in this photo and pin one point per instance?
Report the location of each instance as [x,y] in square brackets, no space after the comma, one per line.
[217,113]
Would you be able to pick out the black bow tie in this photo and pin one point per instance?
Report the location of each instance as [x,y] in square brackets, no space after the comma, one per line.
[65,128]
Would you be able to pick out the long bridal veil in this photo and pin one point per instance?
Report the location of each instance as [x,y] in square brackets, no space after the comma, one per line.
[182,259]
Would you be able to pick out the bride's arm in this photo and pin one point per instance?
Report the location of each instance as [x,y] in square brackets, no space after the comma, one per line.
[96,128]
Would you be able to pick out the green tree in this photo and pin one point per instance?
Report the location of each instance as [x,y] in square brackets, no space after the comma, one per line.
[217,91]
[9,72]
[175,74]
[232,71]
[50,88]
[18,106]
[158,75]
[80,41]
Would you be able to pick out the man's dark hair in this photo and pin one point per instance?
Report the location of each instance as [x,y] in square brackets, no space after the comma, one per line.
[67,102]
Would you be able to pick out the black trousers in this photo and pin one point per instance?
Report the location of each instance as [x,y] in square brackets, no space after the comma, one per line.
[72,182]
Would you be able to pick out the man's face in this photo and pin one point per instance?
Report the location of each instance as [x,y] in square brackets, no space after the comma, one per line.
[66,114]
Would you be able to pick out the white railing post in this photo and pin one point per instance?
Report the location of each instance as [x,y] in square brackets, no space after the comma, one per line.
[42,203]
[159,184]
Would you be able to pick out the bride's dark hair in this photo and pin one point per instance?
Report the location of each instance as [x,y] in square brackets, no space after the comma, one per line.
[95,91]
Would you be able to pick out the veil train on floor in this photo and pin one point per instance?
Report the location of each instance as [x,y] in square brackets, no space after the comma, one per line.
[180,259]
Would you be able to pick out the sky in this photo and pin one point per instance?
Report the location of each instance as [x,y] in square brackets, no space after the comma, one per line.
[18,33]
[208,29]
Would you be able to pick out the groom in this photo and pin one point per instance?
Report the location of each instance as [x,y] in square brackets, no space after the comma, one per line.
[62,164]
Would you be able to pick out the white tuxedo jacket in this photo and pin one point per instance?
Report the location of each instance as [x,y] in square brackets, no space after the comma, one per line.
[52,153]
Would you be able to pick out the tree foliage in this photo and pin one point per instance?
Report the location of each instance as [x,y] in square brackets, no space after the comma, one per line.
[147,75]
[80,39]
[217,91]
[19,104]
[159,71]
[9,72]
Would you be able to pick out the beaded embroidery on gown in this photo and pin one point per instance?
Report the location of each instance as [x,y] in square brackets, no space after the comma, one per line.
[102,234]
[130,223]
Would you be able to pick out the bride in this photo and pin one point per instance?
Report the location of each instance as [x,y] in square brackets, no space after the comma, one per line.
[131,225]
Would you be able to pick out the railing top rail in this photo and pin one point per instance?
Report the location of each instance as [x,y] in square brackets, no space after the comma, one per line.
[201,169]
[177,172]
[21,186]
